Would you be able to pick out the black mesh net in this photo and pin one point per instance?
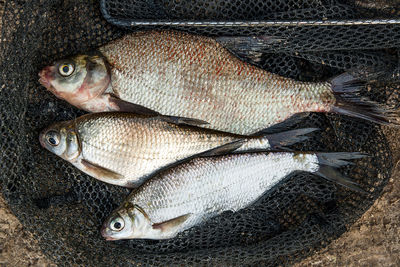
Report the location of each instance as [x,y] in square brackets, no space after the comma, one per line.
[64,208]
[305,25]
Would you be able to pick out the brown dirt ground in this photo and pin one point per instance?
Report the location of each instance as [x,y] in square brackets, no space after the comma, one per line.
[17,247]
[374,240]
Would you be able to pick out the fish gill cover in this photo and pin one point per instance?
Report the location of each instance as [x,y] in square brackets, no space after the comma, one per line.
[64,208]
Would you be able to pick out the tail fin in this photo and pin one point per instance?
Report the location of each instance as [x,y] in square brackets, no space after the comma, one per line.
[329,161]
[287,138]
[348,102]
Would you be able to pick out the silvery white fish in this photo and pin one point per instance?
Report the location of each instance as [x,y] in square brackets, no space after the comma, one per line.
[124,149]
[186,195]
[179,74]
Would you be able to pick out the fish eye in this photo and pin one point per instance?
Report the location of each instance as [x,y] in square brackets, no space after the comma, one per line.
[53,138]
[117,224]
[66,69]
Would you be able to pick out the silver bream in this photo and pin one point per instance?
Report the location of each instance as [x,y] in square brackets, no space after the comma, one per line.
[125,149]
[179,198]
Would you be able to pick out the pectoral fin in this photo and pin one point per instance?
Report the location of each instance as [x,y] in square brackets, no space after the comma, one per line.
[100,172]
[171,225]
[121,105]
[124,106]
[184,121]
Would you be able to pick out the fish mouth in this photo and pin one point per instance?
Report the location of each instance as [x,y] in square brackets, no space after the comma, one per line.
[41,135]
[45,76]
[103,232]
[44,82]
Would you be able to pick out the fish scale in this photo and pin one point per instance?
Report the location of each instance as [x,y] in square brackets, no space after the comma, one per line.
[172,72]
[186,195]
[205,187]
[125,149]
[178,74]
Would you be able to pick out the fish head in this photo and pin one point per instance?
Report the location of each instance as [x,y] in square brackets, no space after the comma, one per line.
[78,79]
[62,140]
[127,222]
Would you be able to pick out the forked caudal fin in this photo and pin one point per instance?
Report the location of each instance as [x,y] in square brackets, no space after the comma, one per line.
[348,102]
[328,162]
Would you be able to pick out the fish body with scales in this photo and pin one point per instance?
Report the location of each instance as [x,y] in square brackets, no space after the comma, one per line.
[189,194]
[124,148]
[193,76]
[179,74]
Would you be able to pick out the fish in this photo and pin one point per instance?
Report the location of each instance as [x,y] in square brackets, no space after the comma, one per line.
[125,148]
[180,74]
[191,193]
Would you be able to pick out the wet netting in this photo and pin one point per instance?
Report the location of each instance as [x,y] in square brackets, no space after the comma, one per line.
[64,208]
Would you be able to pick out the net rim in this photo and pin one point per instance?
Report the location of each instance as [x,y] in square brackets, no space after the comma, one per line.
[250,23]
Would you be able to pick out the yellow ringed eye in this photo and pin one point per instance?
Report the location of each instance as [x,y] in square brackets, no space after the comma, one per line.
[66,69]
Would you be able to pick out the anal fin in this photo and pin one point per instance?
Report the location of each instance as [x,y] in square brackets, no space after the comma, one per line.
[285,125]
[224,149]
[287,138]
